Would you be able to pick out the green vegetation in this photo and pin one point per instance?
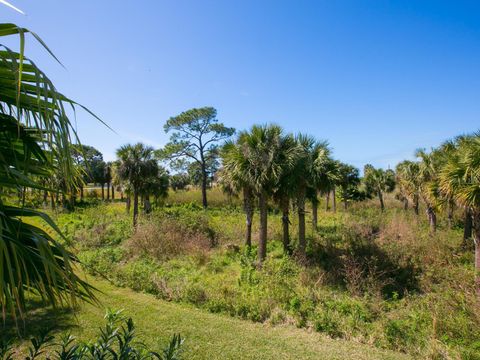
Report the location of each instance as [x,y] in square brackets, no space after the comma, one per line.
[376,274]
[35,135]
[116,340]
[373,277]
[207,336]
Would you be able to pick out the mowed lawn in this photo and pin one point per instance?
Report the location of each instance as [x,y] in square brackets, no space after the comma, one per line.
[207,336]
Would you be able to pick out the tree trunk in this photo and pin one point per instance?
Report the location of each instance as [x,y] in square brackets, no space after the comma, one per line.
[262,244]
[334,200]
[73,200]
[204,185]
[416,204]
[285,224]
[147,206]
[327,200]
[450,214]
[108,191]
[476,240]
[380,197]
[467,227]
[103,191]
[113,193]
[135,208]
[432,219]
[302,242]
[405,203]
[52,201]
[129,200]
[315,214]
[45,197]
[81,192]
[248,208]
[345,204]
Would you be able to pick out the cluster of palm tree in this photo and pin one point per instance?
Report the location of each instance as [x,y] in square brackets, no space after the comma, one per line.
[266,165]
[378,182]
[138,173]
[446,178]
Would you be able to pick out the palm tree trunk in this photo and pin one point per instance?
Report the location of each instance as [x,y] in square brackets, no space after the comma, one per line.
[380,197]
[129,200]
[45,197]
[432,219]
[262,245]
[467,227]
[416,204]
[113,193]
[450,214]
[147,207]
[103,191]
[248,208]
[302,242]
[315,214]
[108,191]
[334,200]
[285,224]
[476,240]
[135,208]
[327,200]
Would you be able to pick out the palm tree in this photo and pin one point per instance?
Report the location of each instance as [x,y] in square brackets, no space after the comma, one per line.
[289,152]
[234,177]
[311,154]
[136,164]
[379,182]
[107,175]
[324,178]
[429,168]
[35,138]
[155,185]
[347,180]
[460,179]
[409,182]
[257,161]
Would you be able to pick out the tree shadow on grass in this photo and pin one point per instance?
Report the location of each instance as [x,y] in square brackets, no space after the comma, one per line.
[39,318]
[361,266]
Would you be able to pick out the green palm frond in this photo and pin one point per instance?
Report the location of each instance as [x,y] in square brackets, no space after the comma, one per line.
[35,143]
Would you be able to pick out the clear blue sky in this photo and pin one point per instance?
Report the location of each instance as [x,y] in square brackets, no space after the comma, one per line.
[377,79]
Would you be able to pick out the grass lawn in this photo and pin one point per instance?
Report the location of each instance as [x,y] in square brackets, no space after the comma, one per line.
[208,336]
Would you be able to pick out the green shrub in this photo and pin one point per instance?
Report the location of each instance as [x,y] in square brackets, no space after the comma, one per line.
[117,340]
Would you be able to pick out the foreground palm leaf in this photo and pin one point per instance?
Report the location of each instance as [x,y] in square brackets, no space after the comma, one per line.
[35,141]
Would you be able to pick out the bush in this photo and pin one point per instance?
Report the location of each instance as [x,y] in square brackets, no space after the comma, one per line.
[115,341]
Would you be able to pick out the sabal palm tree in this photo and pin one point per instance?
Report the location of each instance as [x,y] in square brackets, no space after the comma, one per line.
[258,163]
[35,142]
[325,176]
[310,155]
[136,164]
[429,168]
[234,176]
[409,182]
[347,180]
[379,182]
[289,153]
[460,179]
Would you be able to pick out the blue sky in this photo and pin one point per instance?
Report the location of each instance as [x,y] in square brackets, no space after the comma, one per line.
[377,79]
